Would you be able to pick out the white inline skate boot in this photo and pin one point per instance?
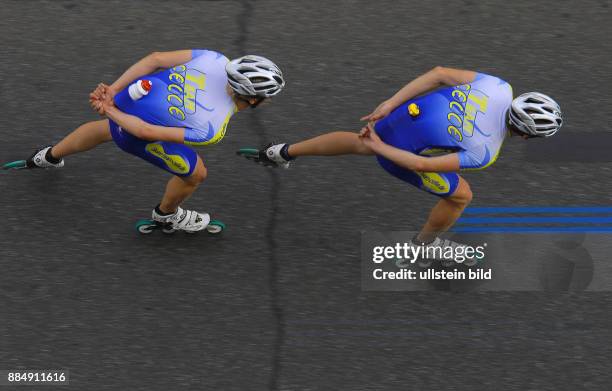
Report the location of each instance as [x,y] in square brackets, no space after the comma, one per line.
[182,220]
[37,160]
[269,156]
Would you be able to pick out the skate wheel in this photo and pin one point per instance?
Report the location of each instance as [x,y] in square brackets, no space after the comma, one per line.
[248,152]
[215,227]
[145,226]
[16,165]
[168,229]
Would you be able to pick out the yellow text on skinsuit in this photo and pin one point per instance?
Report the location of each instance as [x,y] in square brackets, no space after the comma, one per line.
[182,91]
[434,182]
[464,107]
[477,103]
[175,163]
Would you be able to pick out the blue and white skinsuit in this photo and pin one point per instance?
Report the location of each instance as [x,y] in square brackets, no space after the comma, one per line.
[192,96]
[468,119]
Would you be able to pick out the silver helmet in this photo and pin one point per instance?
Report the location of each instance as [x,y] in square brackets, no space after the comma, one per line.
[254,76]
[536,114]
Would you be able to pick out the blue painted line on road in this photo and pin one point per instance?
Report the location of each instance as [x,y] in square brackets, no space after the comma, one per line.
[531,229]
[539,209]
[532,220]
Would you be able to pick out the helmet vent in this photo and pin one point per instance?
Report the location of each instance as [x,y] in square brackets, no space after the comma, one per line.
[532,100]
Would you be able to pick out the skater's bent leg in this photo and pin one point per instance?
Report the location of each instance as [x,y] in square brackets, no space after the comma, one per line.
[329,144]
[179,189]
[446,212]
[83,138]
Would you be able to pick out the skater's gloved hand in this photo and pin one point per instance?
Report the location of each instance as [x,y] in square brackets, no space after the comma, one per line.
[380,112]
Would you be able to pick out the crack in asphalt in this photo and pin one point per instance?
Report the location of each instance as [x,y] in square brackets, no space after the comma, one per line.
[271,244]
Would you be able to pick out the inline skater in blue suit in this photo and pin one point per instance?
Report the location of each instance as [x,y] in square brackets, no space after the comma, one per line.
[444,121]
[189,102]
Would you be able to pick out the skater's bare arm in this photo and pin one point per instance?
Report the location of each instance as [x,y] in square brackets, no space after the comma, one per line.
[418,163]
[143,129]
[435,78]
[408,159]
[149,64]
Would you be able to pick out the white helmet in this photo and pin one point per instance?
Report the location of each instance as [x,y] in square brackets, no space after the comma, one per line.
[254,76]
[536,114]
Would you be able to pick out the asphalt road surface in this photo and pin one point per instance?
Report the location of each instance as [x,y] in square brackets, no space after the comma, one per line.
[276,302]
